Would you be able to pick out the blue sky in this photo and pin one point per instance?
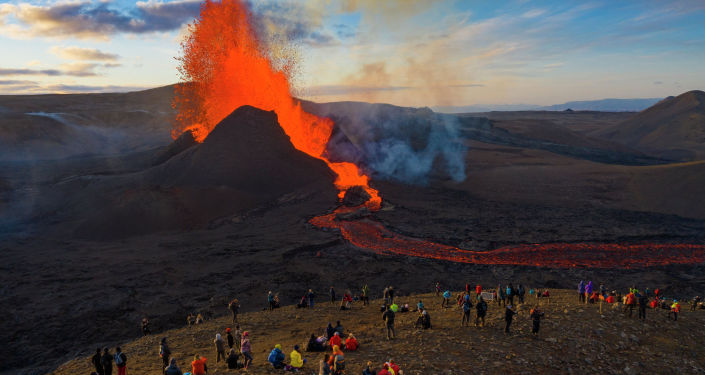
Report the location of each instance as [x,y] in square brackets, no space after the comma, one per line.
[403,52]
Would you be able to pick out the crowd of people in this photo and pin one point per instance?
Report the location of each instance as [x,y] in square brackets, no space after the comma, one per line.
[334,342]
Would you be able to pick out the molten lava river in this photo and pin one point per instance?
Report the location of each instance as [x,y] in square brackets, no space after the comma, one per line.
[225,65]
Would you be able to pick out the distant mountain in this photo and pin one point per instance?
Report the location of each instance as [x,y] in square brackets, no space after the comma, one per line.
[605,105]
[485,108]
[674,128]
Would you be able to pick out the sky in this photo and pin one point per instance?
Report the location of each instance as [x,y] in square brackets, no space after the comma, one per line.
[405,52]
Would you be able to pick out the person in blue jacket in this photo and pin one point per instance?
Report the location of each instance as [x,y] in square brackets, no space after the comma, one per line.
[276,357]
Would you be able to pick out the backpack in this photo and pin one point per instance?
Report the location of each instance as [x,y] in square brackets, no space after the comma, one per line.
[339,362]
[118,359]
[509,291]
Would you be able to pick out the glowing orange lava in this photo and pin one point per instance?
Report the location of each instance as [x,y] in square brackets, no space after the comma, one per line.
[226,66]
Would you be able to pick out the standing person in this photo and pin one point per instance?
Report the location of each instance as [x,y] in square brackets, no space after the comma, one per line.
[588,291]
[675,309]
[467,309]
[172,369]
[643,302]
[107,361]
[508,316]
[603,291]
[237,337]
[391,295]
[234,307]
[323,366]
[145,327]
[385,295]
[365,295]
[164,352]
[388,317]
[521,292]
[219,348]
[481,309]
[510,294]
[501,296]
[438,288]
[311,296]
[95,360]
[581,291]
[229,336]
[120,361]
[198,366]
[246,349]
[270,300]
[630,302]
[696,300]
[332,294]
[467,288]
[446,299]
[536,315]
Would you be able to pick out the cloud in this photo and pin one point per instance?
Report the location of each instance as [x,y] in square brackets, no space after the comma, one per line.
[533,13]
[88,54]
[61,88]
[71,69]
[16,82]
[86,19]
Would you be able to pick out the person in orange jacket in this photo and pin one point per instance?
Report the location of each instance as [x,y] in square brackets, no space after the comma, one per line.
[675,309]
[198,366]
[336,340]
[351,343]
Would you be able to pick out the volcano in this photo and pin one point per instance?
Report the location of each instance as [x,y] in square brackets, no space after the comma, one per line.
[244,163]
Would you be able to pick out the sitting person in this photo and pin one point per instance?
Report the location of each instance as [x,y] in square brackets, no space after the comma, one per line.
[232,359]
[303,303]
[315,345]
[368,370]
[351,343]
[199,319]
[296,361]
[336,340]
[337,361]
[276,357]
[405,308]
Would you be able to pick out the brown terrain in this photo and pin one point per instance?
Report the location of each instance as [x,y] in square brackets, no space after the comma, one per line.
[574,338]
[94,238]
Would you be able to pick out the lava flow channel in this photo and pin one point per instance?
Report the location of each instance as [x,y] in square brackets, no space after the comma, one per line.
[225,65]
[374,236]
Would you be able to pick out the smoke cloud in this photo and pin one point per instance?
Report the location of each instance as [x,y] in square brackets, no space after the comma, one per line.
[394,143]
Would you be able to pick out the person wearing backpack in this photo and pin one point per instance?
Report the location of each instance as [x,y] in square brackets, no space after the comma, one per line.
[95,360]
[120,361]
[467,309]
[107,361]
[510,294]
[481,308]
[164,353]
[173,369]
[536,316]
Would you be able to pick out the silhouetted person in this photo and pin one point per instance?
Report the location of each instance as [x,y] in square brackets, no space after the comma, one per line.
[145,327]
[481,309]
[388,317]
[234,307]
[508,316]
[332,295]
[95,360]
[643,302]
[536,316]
[107,361]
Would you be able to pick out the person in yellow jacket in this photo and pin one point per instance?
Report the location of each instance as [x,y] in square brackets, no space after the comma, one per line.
[296,361]
[675,309]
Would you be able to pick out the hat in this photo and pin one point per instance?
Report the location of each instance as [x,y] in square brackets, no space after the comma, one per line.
[227,329]
[278,346]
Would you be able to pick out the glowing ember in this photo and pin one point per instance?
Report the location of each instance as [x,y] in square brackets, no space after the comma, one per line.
[226,66]
[375,237]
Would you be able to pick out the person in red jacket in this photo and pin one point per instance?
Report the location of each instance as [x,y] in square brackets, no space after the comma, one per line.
[384,370]
[198,366]
[393,366]
[351,343]
[336,340]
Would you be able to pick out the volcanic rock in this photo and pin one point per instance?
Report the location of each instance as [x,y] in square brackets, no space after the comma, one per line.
[356,196]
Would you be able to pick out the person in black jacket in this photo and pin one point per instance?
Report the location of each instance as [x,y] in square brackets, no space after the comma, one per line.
[95,360]
[481,308]
[231,341]
[107,361]
[164,353]
[508,316]
[643,301]
[388,317]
